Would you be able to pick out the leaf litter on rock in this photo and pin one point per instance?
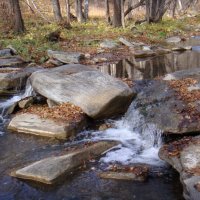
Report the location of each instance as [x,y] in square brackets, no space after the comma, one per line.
[63,112]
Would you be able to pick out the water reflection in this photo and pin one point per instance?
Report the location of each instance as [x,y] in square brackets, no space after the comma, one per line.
[138,69]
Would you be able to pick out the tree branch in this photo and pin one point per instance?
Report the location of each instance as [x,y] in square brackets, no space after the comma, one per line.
[141,3]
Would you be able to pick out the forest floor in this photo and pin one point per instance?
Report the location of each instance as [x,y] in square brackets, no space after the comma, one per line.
[86,37]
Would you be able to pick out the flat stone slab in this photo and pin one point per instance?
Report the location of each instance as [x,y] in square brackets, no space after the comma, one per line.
[35,125]
[12,61]
[143,53]
[109,44]
[126,42]
[174,39]
[66,57]
[49,170]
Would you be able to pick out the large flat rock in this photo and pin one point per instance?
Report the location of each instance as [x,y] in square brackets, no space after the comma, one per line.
[35,125]
[12,61]
[184,156]
[97,94]
[65,57]
[170,104]
[49,170]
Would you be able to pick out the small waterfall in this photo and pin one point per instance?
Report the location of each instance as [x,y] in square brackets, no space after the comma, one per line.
[139,141]
[4,106]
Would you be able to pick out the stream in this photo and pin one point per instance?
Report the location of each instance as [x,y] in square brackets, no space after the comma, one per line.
[137,145]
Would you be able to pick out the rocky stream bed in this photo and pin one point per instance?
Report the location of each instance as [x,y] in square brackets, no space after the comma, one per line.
[76,131]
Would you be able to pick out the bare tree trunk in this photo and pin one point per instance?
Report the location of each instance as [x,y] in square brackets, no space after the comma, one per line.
[174,5]
[155,9]
[107,6]
[68,11]
[117,19]
[56,10]
[18,23]
[129,7]
[180,4]
[86,9]
[122,14]
[79,11]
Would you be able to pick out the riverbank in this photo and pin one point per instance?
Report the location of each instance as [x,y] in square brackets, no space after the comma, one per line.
[86,37]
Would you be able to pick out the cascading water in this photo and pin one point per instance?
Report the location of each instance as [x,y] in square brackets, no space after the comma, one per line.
[5,105]
[139,141]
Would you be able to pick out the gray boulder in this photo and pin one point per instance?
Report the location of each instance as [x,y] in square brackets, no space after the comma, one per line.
[160,105]
[6,53]
[184,156]
[97,94]
[65,57]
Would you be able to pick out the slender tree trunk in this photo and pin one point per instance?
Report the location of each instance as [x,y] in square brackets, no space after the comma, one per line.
[129,7]
[86,9]
[117,19]
[180,4]
[68,11]
[122,14]
[107,6]
[79,11]
[18,23]
[174,5]
[56,10]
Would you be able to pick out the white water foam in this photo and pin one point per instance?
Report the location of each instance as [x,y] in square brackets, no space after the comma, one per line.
[4,106]
[139,142]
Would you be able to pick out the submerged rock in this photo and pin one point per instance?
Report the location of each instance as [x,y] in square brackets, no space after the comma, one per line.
[121,176]
[35,125]
[97,94]
[184,156]
[49,170]
[134,173]
[65,57]
[169,104]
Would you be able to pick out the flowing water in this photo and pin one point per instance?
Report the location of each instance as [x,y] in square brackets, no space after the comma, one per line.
[6,104]
[139,143]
